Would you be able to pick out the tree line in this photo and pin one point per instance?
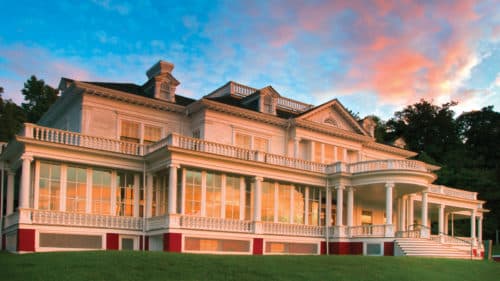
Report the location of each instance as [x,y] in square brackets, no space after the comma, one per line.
[465,147]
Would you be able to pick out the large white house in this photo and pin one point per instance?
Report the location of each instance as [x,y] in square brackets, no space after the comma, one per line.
[240,171]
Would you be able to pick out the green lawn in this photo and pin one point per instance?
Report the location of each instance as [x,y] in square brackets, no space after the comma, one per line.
[165,266]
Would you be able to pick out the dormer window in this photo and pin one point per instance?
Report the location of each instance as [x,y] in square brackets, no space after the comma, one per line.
[268,105]
[165,91]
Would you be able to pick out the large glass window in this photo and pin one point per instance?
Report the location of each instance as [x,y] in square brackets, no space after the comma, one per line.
[232,201]
[193,193]
[267,211]
[125,194]
[76,189]
[249,197]
[313,212]
[317,152]
[214,195]
[49,186]
[284,196]
[152,134]
[130,131]
[101,192]
[298,204]
[160,195]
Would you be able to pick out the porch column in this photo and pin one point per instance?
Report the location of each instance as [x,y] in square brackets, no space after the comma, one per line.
[10,192]
[172,189]
[425,233]
[402,215]
[480,229]
[446,220]
[350,206]
[328,211]
[149,196]
[339,226]
[257,201]
[389,232]
[24,192]
[441,222]
[411,211]
[473,226]
[296,145]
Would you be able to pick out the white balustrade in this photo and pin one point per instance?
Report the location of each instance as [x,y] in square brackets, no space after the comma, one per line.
[453,192]
[158,222]
[76,139]
[293,105]
[11,219]
[390,164]
[367,230]
[293,229]
[87,220]
[219,224]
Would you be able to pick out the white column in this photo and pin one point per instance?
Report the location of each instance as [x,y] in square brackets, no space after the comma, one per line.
[24,192]
[322,153]
[64,186]
[350,206]
[388,203]
[114,187]
[424,209]
[203,193]
[172,189]
[276,201]
[88,203]
[480,229]
[473,226]
[296,145]
[223,196]
[242,199]
[149,195]
[335,152]
[403,216]
[345,155]
[292,189]
[137,194]
[328,210]
[441,219]
[446,220]
[10,192]
[257,201]
[312,150]
[306,207]
[411,219]
[340,203]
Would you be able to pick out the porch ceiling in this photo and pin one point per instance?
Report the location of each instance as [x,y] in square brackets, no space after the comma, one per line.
[374,194]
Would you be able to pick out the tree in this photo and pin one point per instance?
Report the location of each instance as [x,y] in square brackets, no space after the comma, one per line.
[39,97]
[11,117]
[426,127]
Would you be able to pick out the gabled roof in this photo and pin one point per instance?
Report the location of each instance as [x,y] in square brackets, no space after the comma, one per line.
[340,109]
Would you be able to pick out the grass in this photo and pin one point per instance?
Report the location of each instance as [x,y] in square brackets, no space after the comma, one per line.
[113,265]
[496,249]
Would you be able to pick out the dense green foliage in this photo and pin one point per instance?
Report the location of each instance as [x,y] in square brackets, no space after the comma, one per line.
[465,147]
[124,266]
[38,97]
[11,118]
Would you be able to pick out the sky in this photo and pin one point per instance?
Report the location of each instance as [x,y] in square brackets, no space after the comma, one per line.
[376,57]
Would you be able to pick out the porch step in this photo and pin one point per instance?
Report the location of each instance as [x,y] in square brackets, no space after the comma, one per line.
[428,248]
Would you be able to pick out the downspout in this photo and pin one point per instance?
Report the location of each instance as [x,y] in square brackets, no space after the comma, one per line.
[144,206]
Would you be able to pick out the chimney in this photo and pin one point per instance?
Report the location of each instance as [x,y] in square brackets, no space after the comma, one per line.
[161,83]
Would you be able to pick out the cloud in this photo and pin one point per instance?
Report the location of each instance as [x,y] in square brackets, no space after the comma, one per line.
[121,8]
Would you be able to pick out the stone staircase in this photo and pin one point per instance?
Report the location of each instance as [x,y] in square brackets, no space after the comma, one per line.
[428,248]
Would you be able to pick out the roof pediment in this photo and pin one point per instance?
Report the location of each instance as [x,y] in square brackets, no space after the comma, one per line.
[334,114]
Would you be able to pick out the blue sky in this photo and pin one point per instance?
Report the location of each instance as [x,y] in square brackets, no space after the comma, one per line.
[374,56]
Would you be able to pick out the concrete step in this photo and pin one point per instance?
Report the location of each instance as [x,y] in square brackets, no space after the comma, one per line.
[428,248]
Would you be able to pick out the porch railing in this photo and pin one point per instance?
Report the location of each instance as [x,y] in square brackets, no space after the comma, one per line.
[444,190]
[367,230]
[293,229]
[218,224]
[390,164]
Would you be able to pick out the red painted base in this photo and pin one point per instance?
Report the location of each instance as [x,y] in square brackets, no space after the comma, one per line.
[172,242]
[25,240]
[388,248]
[112,241]
[258,246]
[3,242]
[145,240]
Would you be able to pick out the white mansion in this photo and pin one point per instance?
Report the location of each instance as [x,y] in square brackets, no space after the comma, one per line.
[239,171]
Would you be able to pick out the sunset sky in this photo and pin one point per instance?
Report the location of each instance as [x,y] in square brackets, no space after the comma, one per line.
[374,56]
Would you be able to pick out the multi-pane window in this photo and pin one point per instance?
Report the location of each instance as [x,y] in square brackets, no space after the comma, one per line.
[249,198]
[193,193]
[267,210]
[125,194]
[101,192]
[130,131]
[76,189]
[232,207]
[49,186]
[260,144]
[243,141]
[284,193]
[317,152]
[160,194]
[313,212]
[329,154]
[268,104]
[299,197]
[152,134]
[214,198]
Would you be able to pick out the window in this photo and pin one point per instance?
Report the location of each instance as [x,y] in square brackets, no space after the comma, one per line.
[249,198]
[284,193]
[49,186]
[160,194]
[232,206]
[313,212]
[193,193]
[76,189]
[243,141]
[152,134]
[299,197]
[214,188]
[268,104]
[196,134]
[267,210]
[125,194]
[130,131]
[260,144]
[101,192]
[329,154]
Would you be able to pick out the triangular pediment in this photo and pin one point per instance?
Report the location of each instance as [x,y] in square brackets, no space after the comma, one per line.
[333,114]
